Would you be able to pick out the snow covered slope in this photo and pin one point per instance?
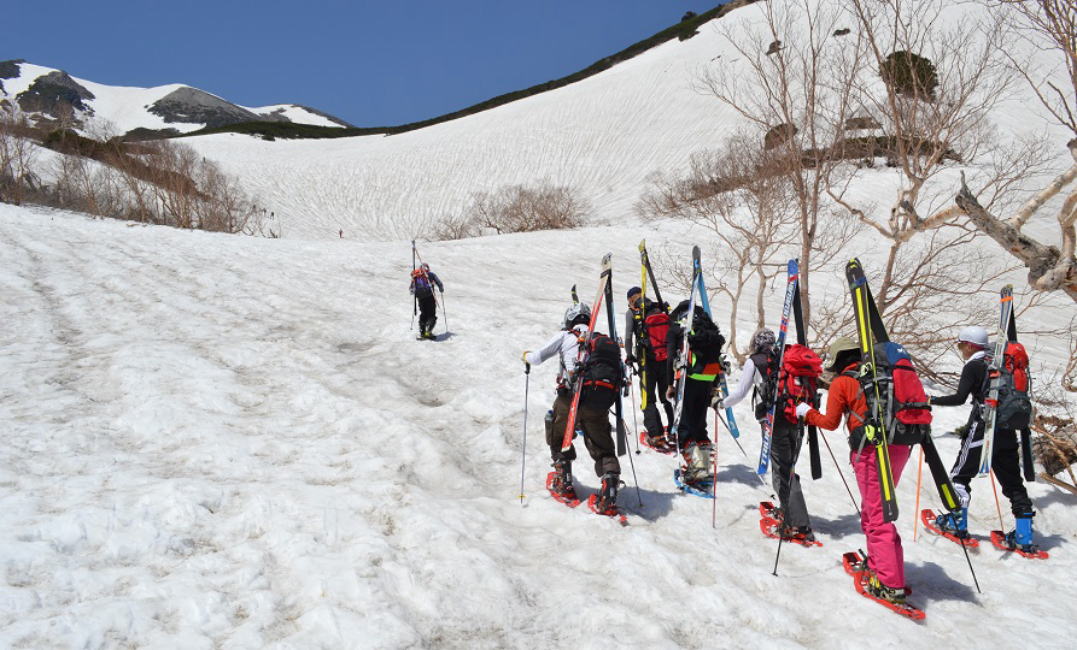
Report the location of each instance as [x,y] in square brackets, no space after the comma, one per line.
[40,91]
[220,441]
[604,135]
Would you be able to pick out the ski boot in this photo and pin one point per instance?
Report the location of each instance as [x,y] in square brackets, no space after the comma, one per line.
[894,595]
[561,485]
[697,458]
[606,503]
[954,523]
[1021,536]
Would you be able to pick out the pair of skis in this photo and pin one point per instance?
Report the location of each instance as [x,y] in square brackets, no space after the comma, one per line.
[605,291]
[767,425]
[698,294]
[870,329]
[1007,333]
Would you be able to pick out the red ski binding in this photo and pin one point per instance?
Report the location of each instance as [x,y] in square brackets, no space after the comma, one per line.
[998,538]
[853,564]
[613,512]
[927,516]
[570,500]
[770,523]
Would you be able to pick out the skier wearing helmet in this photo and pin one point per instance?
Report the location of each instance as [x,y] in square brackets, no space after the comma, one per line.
[972,343]
[592,419]
[886,559]
[423,281]
[758,371]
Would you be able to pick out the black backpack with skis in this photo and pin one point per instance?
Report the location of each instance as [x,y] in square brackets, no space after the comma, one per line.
[602,375]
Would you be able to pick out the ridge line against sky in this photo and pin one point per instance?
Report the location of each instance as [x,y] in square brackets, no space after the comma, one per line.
[369,63]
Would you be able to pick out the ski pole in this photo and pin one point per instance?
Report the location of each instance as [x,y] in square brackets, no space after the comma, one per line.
[971,570]
[635,423]
[523,452]
[841,474]
[632,464]
[998,507]
[919,474]
[414,298]
[714,475]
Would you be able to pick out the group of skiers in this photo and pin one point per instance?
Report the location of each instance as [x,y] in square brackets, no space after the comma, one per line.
[652,337]
[678,357]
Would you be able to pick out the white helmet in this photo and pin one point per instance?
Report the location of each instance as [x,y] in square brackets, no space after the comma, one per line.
[973,334]
[577,313]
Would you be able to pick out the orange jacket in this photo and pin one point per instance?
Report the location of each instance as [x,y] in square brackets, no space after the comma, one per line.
[843,397]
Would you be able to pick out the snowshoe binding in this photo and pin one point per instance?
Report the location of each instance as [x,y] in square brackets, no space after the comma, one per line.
[1019,540]
[605,502]
[950,525]
[867,584]
[659,443]
[559,484]
[770,523]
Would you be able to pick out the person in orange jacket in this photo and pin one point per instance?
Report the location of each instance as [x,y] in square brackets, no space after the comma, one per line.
[886,560]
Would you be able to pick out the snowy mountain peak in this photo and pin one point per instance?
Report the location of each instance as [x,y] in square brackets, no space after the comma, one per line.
[49,95]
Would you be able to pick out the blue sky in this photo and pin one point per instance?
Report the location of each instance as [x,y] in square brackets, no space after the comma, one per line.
[371,63]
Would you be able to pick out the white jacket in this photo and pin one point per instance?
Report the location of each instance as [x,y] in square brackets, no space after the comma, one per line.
[567,345]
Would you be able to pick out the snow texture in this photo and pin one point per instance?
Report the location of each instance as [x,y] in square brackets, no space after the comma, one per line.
[221,441]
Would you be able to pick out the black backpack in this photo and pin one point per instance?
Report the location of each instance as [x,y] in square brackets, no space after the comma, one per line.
[602,375]
[705,340]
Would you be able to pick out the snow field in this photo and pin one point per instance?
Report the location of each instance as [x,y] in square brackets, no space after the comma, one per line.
[221,441]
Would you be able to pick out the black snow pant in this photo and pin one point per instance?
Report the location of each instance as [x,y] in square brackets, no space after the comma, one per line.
[784,451]
[1005,463]
[597,434]
[656,385]
[428,312]
[693,424]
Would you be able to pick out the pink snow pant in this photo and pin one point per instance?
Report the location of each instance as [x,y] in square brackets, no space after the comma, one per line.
[885,556]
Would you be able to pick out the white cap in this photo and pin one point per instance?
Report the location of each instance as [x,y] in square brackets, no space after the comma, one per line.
[973,334]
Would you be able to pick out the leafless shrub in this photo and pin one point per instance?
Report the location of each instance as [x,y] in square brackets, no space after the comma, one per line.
[162,182]
[517,208]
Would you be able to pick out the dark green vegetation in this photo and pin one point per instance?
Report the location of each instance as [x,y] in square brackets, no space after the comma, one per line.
[910,74]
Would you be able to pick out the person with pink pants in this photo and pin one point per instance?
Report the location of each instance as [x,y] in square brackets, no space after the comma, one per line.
[886,560]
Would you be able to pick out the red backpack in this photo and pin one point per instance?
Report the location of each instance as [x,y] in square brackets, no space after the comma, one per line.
[798,379]
[657,327]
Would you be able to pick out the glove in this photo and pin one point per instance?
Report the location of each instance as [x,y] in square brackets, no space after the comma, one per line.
[717,403]
[802,409]
[523,357]
[629,359]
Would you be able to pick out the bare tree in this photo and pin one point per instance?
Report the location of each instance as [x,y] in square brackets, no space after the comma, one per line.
[779,83]
[18,154]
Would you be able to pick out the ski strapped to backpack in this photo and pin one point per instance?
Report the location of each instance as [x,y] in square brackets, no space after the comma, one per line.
[770,388]
[1006,404]
[723,384]
[813,397]
[577,383]
[897,409]
[683,359]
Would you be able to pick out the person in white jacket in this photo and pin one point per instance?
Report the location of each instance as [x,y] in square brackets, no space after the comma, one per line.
[760,362]
[594,421]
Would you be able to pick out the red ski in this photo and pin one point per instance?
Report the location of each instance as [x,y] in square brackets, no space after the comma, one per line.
[998,538]
[668,450]
[857,568]
[570,501]
[927,516]
[613,513]
[770,523]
